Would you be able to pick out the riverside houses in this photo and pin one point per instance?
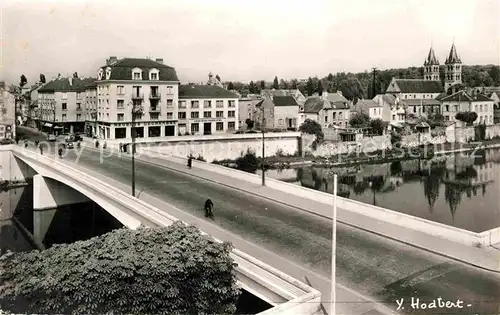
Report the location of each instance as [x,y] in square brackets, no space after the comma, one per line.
[145,87]
[206,109]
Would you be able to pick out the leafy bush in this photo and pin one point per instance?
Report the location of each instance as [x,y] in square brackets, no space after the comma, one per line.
[359,120]
[250,124]
[201,158]
[467,117]
[313,128]
[378,126]
[395,138]
[172,270]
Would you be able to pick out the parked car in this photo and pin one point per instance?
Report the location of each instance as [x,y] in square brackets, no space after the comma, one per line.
[51,137]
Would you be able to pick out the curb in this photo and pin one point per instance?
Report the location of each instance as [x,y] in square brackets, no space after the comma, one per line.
[316,214]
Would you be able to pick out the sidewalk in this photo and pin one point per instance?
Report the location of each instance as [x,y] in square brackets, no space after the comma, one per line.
[349,302]
[477,257]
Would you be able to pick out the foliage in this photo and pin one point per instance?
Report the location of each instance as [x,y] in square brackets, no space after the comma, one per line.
[249,123]
[200,158]
[230,86]
[395,138]
[42,78]
[359,120]
[23,81]
[172,270]
[276,85]
[313,128]
[480,132]
[466,117]
[218,78]
[378,126]
[75,75]
[247,162]
[320,88]
[310,87]
[283,84]
[253,88]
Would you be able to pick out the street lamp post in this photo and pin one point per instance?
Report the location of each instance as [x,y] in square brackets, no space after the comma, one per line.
[334,245]
[133,111]
[263,147]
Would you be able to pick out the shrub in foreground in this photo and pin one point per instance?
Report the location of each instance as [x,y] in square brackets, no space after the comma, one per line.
[172,270]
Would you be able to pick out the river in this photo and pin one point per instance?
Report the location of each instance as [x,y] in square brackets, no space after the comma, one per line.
[460,190]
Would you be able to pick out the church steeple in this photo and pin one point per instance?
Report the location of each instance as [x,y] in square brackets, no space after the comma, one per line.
[453,70]
[431,67]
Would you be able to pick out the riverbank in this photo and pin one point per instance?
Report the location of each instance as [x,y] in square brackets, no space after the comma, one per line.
[9,184]
[376,157]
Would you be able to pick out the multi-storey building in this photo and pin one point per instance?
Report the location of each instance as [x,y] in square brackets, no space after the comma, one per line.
[7,105]
[91,109]
[145,88]
[61,105]
[336,111]
[206,109]
[369,107]
[463,102]
[453,69]
[393,109]
[246,109]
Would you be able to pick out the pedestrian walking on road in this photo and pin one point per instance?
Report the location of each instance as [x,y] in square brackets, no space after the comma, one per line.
[104,145]
[97,143]
[41,150]
[208,209]
[190,161]
[121,147]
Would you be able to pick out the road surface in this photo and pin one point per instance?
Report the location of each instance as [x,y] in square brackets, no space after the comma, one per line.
[369,264]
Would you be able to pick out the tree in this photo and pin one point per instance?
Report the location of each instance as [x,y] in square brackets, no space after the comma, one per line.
[320,88]
[467,117]
[276,85]
[168,270]
[249,123]
[75,75]
[218,78]
[230,86]
[359,120]
[42,78]
[378,126]
[310,86]
[23,81]
[252,87]
[312,127]
[247,162]
[262,85]
[330,77]
[294,84]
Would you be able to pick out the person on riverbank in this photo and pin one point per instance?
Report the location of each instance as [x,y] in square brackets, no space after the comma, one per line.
[121,147]
[190,161]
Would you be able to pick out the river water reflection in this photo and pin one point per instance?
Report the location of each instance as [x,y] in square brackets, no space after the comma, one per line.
[460,190]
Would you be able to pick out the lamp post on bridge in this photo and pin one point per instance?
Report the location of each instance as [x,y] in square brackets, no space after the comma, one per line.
[263,121]
[134,110]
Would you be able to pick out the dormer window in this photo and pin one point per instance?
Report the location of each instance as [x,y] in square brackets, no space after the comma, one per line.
[99,74]
[154,74]
[108,73]
[136,74]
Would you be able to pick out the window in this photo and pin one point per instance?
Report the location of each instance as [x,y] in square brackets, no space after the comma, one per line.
[326,118]
[219,114]
[182,115]
[207,114]
[79,95]
[170,103]
[63,117]
[120,103]
[182,104]
[219,126]
[120,90]
[231,103]
[64,106]
[456,108]
[170,116]
[207,104]
[78,106]
[280,122]
[195,115]
[447,108]
[195,128]
[137,75]
[334,115]
[154,116]
[154,76]
[231,125]
[195,104]
[120,117]
[64,96]
[219,104]
[137,116]
[230,113]
[393,117]
[170,90]
[340,115]
[480,108]
[78,117]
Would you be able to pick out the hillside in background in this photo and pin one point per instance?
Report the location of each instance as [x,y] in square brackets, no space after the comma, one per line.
[360,85]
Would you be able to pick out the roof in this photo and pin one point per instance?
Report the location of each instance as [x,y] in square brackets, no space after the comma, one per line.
[462,96]
[441,96]
[367,103]
[204,91]
[122,69]
[424,102]
[417,86]
[453,56]
[284,101]
[66,85]
[431,59]
[313,105]
[336,97]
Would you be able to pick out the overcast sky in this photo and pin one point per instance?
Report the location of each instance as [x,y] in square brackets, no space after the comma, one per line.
[244,40]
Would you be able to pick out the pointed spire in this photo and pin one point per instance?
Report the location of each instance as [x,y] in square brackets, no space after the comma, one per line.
[453,56]
[431,58]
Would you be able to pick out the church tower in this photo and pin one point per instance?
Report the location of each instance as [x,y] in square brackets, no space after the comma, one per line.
[453,69]
[431,67]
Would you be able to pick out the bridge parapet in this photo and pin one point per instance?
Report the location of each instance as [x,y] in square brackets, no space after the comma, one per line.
[287,294]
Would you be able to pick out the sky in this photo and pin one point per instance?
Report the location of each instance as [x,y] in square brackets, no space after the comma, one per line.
[243,40]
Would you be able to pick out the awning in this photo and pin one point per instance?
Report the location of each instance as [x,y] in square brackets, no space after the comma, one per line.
[47,125]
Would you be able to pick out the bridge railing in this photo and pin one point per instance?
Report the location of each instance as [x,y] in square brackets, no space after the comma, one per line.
[296,297]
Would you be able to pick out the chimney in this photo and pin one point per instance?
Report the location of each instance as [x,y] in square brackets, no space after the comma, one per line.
[159,60]
[111,60]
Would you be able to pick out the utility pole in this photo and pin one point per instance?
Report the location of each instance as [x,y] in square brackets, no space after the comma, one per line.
[263,147]
[134,111]
[334,247]
[374,77]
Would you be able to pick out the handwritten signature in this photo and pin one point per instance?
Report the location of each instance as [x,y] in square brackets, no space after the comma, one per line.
[416,304]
